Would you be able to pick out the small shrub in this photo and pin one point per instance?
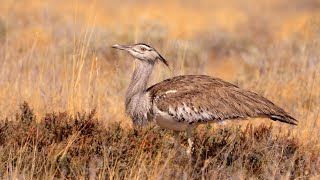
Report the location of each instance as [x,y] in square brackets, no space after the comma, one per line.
[65,146]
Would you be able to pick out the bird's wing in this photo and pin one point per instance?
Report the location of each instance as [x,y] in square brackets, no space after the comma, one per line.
[199,98]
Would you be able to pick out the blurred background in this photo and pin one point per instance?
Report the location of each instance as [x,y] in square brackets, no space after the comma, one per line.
[56,54]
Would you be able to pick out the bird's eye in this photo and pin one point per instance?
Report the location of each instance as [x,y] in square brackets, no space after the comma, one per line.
[143,49]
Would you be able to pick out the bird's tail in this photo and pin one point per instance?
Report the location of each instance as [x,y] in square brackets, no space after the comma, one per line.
[286,118]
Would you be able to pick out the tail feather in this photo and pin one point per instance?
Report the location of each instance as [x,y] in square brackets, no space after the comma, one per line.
[284,118]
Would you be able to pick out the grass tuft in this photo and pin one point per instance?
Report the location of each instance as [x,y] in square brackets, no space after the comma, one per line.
[64,146]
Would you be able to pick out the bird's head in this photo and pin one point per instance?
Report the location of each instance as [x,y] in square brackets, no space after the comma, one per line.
[142,52]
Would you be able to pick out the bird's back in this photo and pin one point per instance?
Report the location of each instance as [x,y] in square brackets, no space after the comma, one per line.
[200,98]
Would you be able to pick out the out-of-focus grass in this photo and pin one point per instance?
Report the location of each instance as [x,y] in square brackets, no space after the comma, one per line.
[56,54]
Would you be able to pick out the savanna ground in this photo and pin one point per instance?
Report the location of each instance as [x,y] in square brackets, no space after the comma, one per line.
[56,56]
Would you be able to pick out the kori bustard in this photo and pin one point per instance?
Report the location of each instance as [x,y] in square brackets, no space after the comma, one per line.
[183,102]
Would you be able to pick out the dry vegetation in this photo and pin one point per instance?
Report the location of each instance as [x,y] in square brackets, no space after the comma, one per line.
[61,146]
[56,56]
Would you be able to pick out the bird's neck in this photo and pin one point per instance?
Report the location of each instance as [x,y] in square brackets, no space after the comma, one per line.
[139,79]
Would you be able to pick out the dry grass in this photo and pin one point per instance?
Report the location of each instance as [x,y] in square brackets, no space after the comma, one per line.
[56,55]
[62,146]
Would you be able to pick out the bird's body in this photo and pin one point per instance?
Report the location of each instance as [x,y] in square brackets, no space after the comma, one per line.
[196,99]
[182,102]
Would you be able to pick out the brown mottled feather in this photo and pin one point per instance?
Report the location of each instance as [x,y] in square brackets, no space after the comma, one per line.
[221,99]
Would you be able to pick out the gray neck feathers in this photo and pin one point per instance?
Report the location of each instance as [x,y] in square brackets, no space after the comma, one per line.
[137,100]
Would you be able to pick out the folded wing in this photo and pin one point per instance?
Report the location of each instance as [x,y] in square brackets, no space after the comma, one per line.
[199,98]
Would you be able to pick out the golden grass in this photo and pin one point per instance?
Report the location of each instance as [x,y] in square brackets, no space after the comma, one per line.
[56,54]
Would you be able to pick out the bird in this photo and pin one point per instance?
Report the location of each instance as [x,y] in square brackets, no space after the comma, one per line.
[181,103]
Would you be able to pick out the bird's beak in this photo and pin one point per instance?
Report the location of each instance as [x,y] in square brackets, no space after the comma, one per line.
[121,47]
